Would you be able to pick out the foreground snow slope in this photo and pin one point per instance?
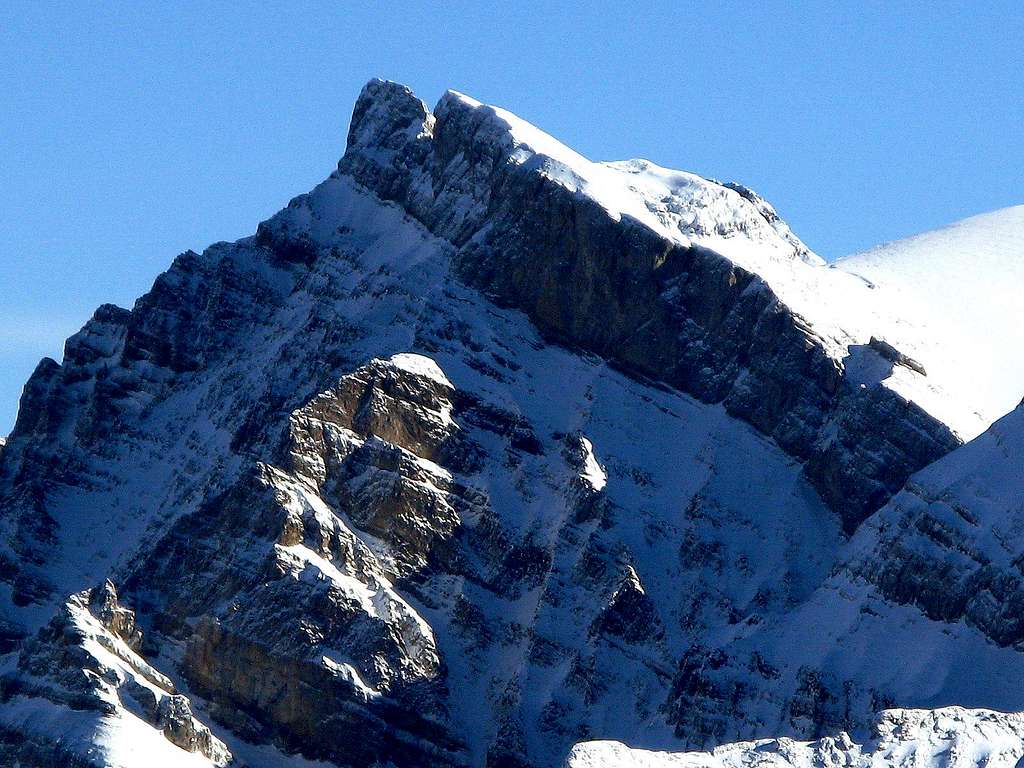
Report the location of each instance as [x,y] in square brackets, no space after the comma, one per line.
[950,737]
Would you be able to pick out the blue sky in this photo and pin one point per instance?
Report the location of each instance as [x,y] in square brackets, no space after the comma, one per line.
[135,131]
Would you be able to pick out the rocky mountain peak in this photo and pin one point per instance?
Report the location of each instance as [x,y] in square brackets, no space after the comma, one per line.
[386,119]
[481,449]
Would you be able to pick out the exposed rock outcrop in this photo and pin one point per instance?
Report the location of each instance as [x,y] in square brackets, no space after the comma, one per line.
[304,618]
[87,664]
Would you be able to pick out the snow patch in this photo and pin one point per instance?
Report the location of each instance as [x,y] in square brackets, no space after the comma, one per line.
[592,472]
[420,366]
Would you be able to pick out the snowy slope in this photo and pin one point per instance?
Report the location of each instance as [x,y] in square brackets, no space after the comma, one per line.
[962,285]
[922,609]
[923,604]
[948,548]
[951,737]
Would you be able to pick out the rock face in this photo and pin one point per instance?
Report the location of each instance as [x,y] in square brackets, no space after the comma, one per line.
[304,637]
[480,450]
[86,665]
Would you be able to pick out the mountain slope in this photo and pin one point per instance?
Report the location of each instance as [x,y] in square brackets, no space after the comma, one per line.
[962,284]
[469,454]
[933,578]
[946,550]
[493,598]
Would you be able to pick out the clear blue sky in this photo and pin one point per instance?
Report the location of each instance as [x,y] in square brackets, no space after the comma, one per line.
[131,133]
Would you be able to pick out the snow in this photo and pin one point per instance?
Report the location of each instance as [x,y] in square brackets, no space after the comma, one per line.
[117,735]
[632,579]
[117,740]
[379,603]
[298,557]
[962,285]
[349,673]
[678,205]
[952,736]
[129,742]
[377,599]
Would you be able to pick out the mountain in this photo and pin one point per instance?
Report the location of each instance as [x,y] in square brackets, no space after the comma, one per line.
[481,450]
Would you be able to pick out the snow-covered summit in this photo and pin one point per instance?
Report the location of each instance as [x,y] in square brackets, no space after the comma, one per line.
[681,206]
